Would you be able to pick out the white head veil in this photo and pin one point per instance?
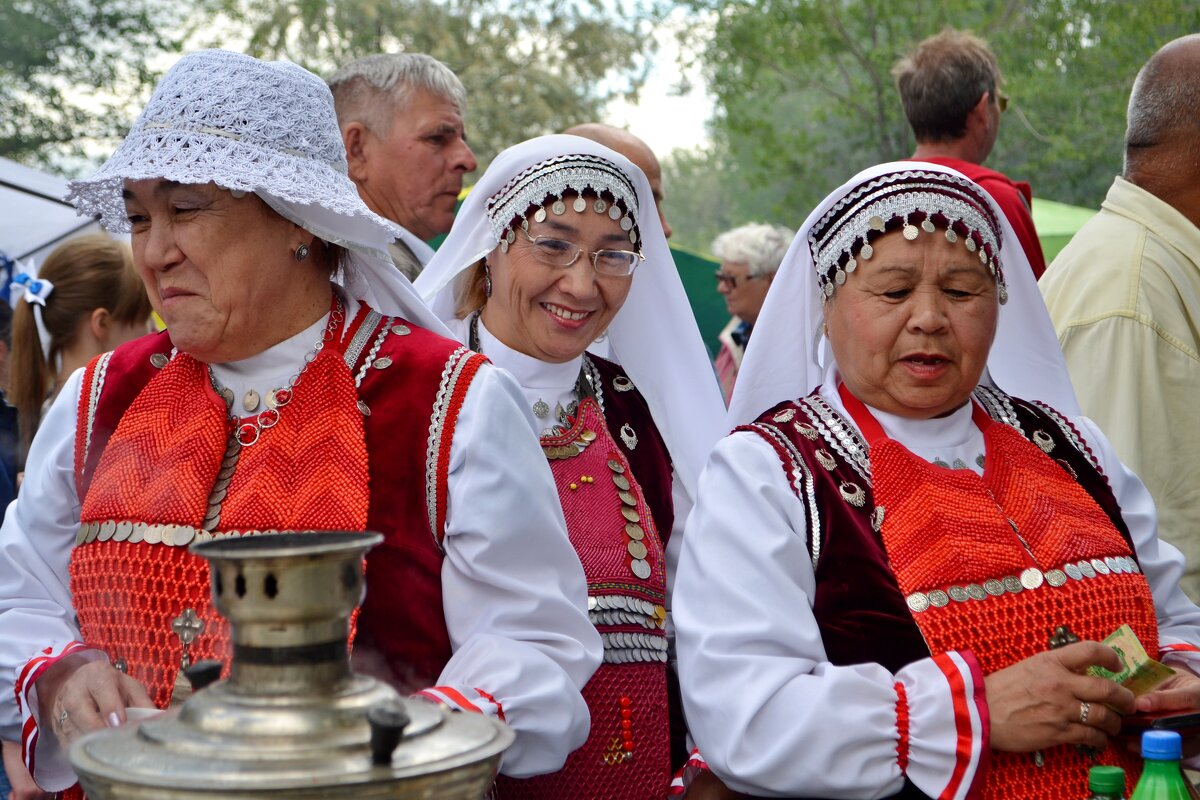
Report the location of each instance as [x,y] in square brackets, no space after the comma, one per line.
[263,127]
[653,337]
[787,355]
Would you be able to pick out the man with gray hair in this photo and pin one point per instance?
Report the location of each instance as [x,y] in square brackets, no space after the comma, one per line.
[401,116]
[749,256]
[950,88]
[1125,298]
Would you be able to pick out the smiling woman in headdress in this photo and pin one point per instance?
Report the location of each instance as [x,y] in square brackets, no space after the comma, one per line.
[558,245]
[910,507]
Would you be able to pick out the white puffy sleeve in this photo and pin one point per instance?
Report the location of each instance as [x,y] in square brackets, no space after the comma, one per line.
[37,620]
[514,592]
[769,713]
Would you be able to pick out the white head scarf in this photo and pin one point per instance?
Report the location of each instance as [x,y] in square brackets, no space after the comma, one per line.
[653,337]
[263,127]
[787,355]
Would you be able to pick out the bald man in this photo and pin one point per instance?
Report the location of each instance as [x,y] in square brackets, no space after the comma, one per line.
[632,148]
[1125,298]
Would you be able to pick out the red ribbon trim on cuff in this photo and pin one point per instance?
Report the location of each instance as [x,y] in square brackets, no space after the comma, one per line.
[902,727]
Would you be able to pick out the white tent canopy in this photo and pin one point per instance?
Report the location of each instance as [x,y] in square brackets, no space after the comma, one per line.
[34,219]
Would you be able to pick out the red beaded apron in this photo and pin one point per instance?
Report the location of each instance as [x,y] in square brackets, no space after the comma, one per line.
[160,477]
[1016,532]
[627,753]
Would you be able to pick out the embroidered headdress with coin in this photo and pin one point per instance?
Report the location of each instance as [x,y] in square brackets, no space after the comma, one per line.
[915,202]
[609,188]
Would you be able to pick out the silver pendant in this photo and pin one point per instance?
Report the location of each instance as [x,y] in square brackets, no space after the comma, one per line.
[250,400]
[541,410]
[1043,440]
[622,384]
[853,494]
[628,436]
[227,395]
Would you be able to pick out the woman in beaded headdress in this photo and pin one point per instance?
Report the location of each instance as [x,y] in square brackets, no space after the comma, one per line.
[301,384]
[883,552]
[558,245]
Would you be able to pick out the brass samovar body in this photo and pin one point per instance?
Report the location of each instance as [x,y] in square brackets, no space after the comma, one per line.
[292,720]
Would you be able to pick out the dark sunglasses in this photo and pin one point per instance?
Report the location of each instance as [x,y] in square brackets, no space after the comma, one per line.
[725,279]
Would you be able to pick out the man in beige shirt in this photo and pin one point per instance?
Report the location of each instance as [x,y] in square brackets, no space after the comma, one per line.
[1125,298]
[401,116]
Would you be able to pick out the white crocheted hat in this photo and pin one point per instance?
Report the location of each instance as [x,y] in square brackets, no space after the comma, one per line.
[244,124]
[267,128]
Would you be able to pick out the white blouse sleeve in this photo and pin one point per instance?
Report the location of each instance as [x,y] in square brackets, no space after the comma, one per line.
[514,592]
[769,713]
[37,620]
[1160,562]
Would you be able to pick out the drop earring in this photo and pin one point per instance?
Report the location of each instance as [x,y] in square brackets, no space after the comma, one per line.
[487,280]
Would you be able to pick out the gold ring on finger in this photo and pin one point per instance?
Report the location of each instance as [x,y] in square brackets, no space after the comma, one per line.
[1084,710]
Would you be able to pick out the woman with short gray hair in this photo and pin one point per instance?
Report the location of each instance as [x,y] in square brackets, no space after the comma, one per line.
[749,257]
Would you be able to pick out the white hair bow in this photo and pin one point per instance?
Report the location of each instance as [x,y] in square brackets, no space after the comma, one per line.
[35,289]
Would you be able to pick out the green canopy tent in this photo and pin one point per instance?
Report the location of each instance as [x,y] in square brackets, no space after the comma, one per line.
[1056,223]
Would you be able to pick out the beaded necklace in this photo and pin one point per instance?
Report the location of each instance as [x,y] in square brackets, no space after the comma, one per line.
[586,385]
[248,430]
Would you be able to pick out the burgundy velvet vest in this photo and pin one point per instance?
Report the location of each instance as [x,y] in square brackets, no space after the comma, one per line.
[650,460]
[412,382]
[862,614]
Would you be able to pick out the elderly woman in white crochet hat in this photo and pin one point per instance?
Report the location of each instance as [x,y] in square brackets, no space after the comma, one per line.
[920,511]
[301,384]
[558,244]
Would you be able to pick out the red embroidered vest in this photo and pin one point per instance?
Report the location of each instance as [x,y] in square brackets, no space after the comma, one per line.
[627,753]
[364,444]
[913,559]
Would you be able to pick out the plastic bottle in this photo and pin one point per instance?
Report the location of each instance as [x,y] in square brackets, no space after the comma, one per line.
[1106,783]
[1162,778]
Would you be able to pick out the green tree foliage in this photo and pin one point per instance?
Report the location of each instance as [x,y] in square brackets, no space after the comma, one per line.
[68,69]
[530,66]
[805,97]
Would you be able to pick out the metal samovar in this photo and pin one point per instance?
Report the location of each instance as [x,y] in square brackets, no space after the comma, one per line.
[292,720]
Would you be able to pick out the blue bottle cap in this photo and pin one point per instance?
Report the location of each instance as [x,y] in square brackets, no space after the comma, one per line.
[1162,746]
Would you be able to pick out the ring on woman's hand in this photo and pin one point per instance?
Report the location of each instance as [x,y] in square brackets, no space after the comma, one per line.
[62,718]
[1084,710]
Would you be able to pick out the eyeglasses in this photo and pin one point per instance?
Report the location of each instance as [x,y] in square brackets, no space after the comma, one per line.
[730,280]
[561,253]
[1002,101]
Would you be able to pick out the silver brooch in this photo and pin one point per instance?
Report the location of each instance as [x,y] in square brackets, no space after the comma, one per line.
[628,436]
[541,409]
[622,384]
[806,430]
[853,494]
[826,459]
[1043,441]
